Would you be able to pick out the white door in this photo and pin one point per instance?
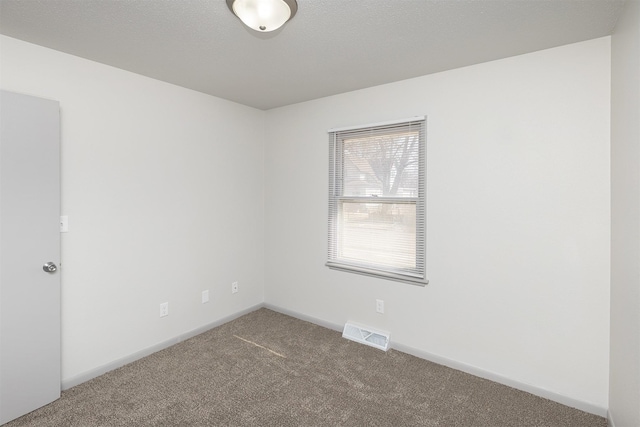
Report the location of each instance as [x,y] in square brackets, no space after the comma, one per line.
[29,239]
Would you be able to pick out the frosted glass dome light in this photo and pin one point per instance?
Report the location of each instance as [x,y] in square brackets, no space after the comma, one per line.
[263,15]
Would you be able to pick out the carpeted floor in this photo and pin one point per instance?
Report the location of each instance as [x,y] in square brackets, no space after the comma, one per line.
[268,369]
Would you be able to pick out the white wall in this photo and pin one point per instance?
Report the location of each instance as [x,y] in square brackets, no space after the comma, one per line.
[518,215]
[518,219]
[163,189]
[624,399]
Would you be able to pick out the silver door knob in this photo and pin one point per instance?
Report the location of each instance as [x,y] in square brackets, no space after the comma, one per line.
[50,267]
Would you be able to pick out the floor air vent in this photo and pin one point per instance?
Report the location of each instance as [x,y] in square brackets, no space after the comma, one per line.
[366,336]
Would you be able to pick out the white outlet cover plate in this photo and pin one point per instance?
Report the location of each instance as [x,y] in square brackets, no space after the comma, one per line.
[164,309]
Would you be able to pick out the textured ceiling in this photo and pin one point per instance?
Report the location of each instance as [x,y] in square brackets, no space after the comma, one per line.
[330,47]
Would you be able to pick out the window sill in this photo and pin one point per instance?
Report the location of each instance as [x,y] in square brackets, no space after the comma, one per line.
[377,273]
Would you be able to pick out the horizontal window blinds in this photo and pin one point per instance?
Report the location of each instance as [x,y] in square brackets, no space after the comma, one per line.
[377,200]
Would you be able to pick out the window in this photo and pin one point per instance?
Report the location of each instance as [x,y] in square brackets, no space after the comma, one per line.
[377,200]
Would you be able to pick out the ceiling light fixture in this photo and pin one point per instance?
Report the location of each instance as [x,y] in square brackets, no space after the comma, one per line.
[263,15]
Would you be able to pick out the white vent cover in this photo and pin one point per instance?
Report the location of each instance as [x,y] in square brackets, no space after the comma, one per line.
[365,335]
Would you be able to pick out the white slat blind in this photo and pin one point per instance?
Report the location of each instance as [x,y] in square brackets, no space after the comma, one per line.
[377,200]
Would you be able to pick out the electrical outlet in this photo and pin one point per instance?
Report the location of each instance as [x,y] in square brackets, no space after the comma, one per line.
[234,287]
[205,296]
[380,306]
[164,309]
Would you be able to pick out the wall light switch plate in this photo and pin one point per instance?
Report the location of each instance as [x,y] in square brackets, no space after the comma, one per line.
[234,287]
[205,296]
[64,224]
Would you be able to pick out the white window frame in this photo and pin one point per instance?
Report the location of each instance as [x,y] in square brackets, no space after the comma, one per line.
[416,276]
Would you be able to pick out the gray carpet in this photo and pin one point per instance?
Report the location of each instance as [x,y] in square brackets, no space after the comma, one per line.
[268,369]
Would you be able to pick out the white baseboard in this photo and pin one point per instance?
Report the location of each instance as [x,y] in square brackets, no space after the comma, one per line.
[478,372]
[556,397]
[96,372]
[310,319]
[492,376]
